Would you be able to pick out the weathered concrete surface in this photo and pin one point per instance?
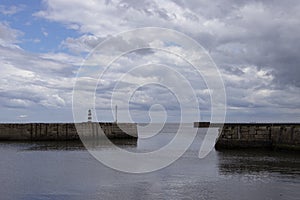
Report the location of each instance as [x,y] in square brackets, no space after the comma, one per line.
[66,131]
[256,135]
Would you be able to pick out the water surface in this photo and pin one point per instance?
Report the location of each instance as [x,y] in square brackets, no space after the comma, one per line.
[60,170]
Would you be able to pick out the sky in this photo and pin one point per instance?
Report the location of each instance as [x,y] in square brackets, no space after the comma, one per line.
[254,44]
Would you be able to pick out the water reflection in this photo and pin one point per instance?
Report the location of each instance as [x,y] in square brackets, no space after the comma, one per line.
[77,145]
[65,170]
[258,162]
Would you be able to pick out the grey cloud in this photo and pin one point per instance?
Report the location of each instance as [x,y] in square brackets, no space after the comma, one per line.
[259,36]
[266,32]
[264,28]
[84,43]
[29,80]
[8,35]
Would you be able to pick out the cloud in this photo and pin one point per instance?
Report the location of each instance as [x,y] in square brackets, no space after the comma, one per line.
[258,33]
[85,43]
[255,44]
[29,80]
[11,10]
[256,90]
[44,32]
[8,35]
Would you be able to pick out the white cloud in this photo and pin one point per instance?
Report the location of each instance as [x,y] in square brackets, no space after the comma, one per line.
[11,10]
[44,32]
[9,36]
[254,88]
[29,80]
[255,44]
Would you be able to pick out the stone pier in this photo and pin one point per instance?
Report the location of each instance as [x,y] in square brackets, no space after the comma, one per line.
[256,135]
[65,131]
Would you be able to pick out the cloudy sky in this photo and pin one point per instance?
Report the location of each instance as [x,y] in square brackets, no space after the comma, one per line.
[255,45]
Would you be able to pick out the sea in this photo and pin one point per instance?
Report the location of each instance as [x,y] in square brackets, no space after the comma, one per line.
[66,170]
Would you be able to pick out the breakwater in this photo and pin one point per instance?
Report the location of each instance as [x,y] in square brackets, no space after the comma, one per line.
[256,135]
[65,131]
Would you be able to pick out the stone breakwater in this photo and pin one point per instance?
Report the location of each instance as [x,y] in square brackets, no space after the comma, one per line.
[256,135]
[65,131]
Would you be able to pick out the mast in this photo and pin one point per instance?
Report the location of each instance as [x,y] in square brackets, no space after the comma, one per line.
[116,114]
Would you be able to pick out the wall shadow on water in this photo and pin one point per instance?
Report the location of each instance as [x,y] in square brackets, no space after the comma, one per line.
[258,161]
[73,145]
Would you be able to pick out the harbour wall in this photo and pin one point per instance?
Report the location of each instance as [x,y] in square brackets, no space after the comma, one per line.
[66,131]
[256,135]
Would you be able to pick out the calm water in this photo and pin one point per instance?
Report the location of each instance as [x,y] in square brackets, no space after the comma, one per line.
[68,171]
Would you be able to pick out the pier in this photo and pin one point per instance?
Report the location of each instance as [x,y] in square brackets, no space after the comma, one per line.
[65,131]
[255,135]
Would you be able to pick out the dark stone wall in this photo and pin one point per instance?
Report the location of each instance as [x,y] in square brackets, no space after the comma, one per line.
[66,131]
[276,136]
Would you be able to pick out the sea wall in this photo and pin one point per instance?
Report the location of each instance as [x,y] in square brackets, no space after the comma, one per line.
[66,131]
[256,135]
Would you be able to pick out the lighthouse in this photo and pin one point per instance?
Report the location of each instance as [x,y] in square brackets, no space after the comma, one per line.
[89,115]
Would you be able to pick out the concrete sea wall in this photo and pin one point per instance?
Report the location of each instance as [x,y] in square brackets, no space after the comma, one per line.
[65,131]
[256,135]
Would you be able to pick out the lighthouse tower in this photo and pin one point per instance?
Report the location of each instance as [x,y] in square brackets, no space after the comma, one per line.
[89,115]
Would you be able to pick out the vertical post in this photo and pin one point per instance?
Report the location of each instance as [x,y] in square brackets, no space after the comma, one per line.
[31,130]
[57,130]
[116,113]
[40,130]
[66,132]
[35,130]
[239,132]
[46,130]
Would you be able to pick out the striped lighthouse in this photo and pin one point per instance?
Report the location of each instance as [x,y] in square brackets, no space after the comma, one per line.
[89,115]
